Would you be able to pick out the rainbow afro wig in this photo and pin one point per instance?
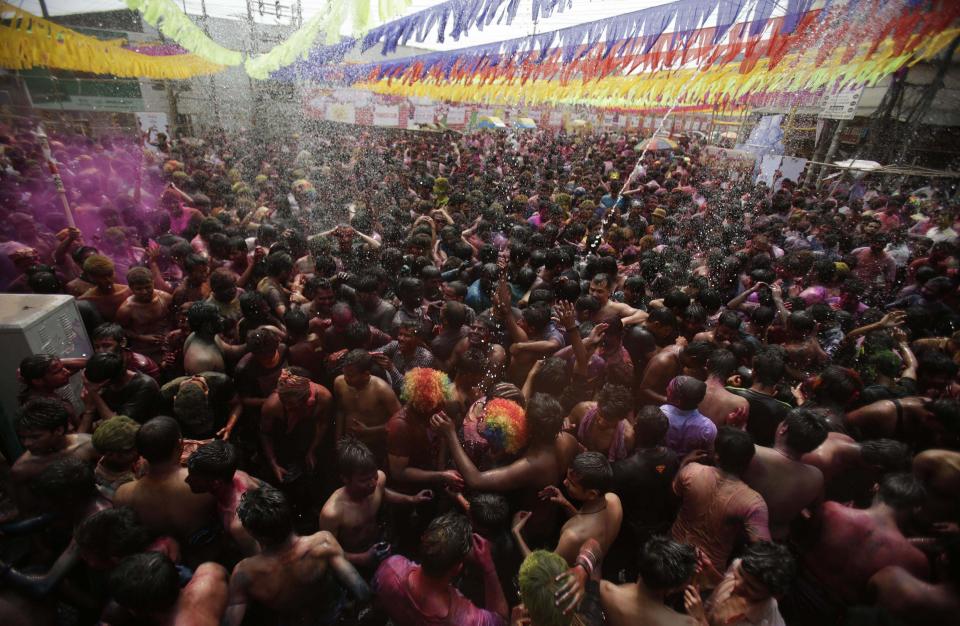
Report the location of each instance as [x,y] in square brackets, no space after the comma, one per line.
[504,426]
[426,389]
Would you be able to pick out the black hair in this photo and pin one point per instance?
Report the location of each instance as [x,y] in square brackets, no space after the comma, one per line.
[358,358]
[768,367]
[544,417]
[35,366]
[454,313]
[889,455]
[615,402]
[104,366]
[666,564]
[935,362]
[357,335]
[109,330]
[902,491]
[42,414]
[806,430]
[801,322]
[537,317]
[278,263]
[204,317]
[651,427]
[772,564]
[112,533]
[261,340]
[734,449]
[217,459]
[762,315]
[676,300]
[946,412]
[593,471]
[698,351]
[445,543]
[663,316]
[68,479]
[145,582]
[490,511]
[355,458]
[296,322]
[721,363]
[266,515]
[158,439]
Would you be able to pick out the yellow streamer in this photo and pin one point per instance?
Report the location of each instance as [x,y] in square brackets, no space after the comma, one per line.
[30,41]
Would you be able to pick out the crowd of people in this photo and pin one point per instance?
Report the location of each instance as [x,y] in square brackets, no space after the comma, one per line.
[369,376]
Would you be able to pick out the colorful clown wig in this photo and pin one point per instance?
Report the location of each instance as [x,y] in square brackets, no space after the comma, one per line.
[504,426]
[425,389]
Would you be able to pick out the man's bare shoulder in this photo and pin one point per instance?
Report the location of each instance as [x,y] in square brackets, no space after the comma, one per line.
[323,544]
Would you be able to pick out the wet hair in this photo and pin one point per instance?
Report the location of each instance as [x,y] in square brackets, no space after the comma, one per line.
[770,563]
[946,412]
[806,430]
[445,543]
[109,330]
[606,279]
[698,351]
[217,459]
[666,564]
[651,427]
[889,455]
[359,359]
[721,363]
[544,417]
[593,471]
[537,317]
[663,316]
[768,366]
[934,362]
[686,392]
[42,414]
[355,458]
[112,533]
[454,314]
[222,279]
[193,261]
[262,341]
[36,366]
[66,480]
[104,366]
[537,581]
[296,322]
[490,510]
[615,402]
[266,514]
[139,276]
[145,582]
[762,315]
[277,263]
[837,385]
[902,491]
[158,439]
[676,300]
[734,449]
[204,317]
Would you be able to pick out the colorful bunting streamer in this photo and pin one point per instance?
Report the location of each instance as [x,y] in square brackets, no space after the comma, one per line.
[169,19]
[28,41]
[724,85]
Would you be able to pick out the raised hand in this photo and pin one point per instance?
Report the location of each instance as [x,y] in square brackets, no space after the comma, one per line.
[565,315]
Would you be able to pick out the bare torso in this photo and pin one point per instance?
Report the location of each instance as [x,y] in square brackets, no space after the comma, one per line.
[719,403]
[786,485]
[165,505]
[629,605]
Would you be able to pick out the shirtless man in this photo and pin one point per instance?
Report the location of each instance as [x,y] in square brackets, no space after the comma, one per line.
[162,499]
[543,464]
[600,288]
[850,468]
[293,421]
[479,337]
[364,403]
[290,577]
[146,591]
[916,601]
[105,295]
[668,363]
[914,419]
[721,406]
[786,483]
[203,349]
[939,471]
[212,469]
[352,512]
[604,425]
[145,316]
[42,429]
[666,567]
[839,561]
[599,517]
[726,331]
[804,354]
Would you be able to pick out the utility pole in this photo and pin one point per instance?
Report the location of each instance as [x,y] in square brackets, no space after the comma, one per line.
[834,146]
[43,9]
